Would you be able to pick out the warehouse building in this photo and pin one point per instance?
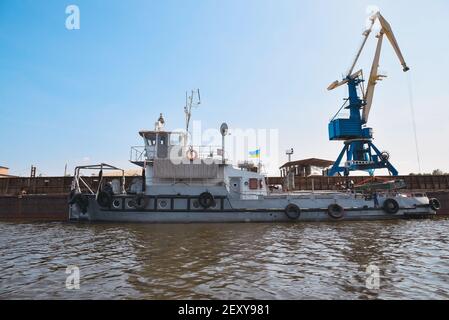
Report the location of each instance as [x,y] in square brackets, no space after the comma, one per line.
[306,167]
[4,172]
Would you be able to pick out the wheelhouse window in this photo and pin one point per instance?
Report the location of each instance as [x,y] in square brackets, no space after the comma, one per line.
[151,139]
[175,139]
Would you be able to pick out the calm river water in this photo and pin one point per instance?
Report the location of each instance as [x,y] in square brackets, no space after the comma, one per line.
[227,261]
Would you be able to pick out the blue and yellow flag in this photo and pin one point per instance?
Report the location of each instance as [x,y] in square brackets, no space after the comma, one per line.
[254,154]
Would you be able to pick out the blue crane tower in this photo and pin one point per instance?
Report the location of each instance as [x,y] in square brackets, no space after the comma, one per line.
[360,151]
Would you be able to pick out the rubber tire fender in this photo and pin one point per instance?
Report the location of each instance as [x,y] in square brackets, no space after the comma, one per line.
[391,206]
[139,202]
[335,211]
[435,204]
[82,202]
[206,200]
[104,199]
[292,211]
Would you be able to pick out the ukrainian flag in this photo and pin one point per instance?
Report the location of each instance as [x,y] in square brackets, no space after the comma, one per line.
[254,154]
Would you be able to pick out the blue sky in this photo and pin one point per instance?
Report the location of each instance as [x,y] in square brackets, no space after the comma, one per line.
[70,95]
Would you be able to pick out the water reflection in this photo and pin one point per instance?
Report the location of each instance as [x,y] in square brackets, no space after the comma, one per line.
[228,261]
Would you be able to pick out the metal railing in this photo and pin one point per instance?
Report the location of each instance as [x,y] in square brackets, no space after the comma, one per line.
[79,183]
[140,153]
[205,152]
[357,162]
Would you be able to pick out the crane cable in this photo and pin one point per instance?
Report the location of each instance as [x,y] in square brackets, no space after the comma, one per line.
[412,109]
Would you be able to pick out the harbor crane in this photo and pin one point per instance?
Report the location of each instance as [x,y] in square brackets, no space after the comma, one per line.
[361,153]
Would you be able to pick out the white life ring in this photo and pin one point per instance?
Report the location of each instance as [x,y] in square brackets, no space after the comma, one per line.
[192,155]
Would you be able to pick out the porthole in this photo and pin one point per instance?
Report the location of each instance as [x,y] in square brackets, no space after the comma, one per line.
[129,203]
[196,204]
[163,204]
[117,203]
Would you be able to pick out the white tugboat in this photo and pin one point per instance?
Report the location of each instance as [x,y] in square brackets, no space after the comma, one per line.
[183,184]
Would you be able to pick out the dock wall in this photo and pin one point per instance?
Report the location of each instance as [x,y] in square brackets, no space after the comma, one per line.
[415,183]
[59,185]
[45,198]
[34,207]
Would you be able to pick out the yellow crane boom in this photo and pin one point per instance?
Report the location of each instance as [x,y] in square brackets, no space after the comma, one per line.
[374,76]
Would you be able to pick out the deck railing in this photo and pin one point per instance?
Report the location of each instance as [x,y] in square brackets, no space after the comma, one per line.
[141,154]
[138,154]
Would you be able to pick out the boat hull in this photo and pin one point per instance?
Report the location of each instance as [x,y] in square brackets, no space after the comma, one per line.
[254,211]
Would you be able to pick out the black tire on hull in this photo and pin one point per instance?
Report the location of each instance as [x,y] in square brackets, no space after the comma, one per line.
[206,200]
[391,206]
[104,199]
[140,202]
[82,202]
[107,188]
[336,211]
[435,204]
[292,211]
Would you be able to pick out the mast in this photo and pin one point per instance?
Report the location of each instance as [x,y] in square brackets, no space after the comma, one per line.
[192,100]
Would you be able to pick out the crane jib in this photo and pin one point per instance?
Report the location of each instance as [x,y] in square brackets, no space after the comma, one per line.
[358,138]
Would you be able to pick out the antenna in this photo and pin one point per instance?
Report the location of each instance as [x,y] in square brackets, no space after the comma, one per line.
[192,100]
